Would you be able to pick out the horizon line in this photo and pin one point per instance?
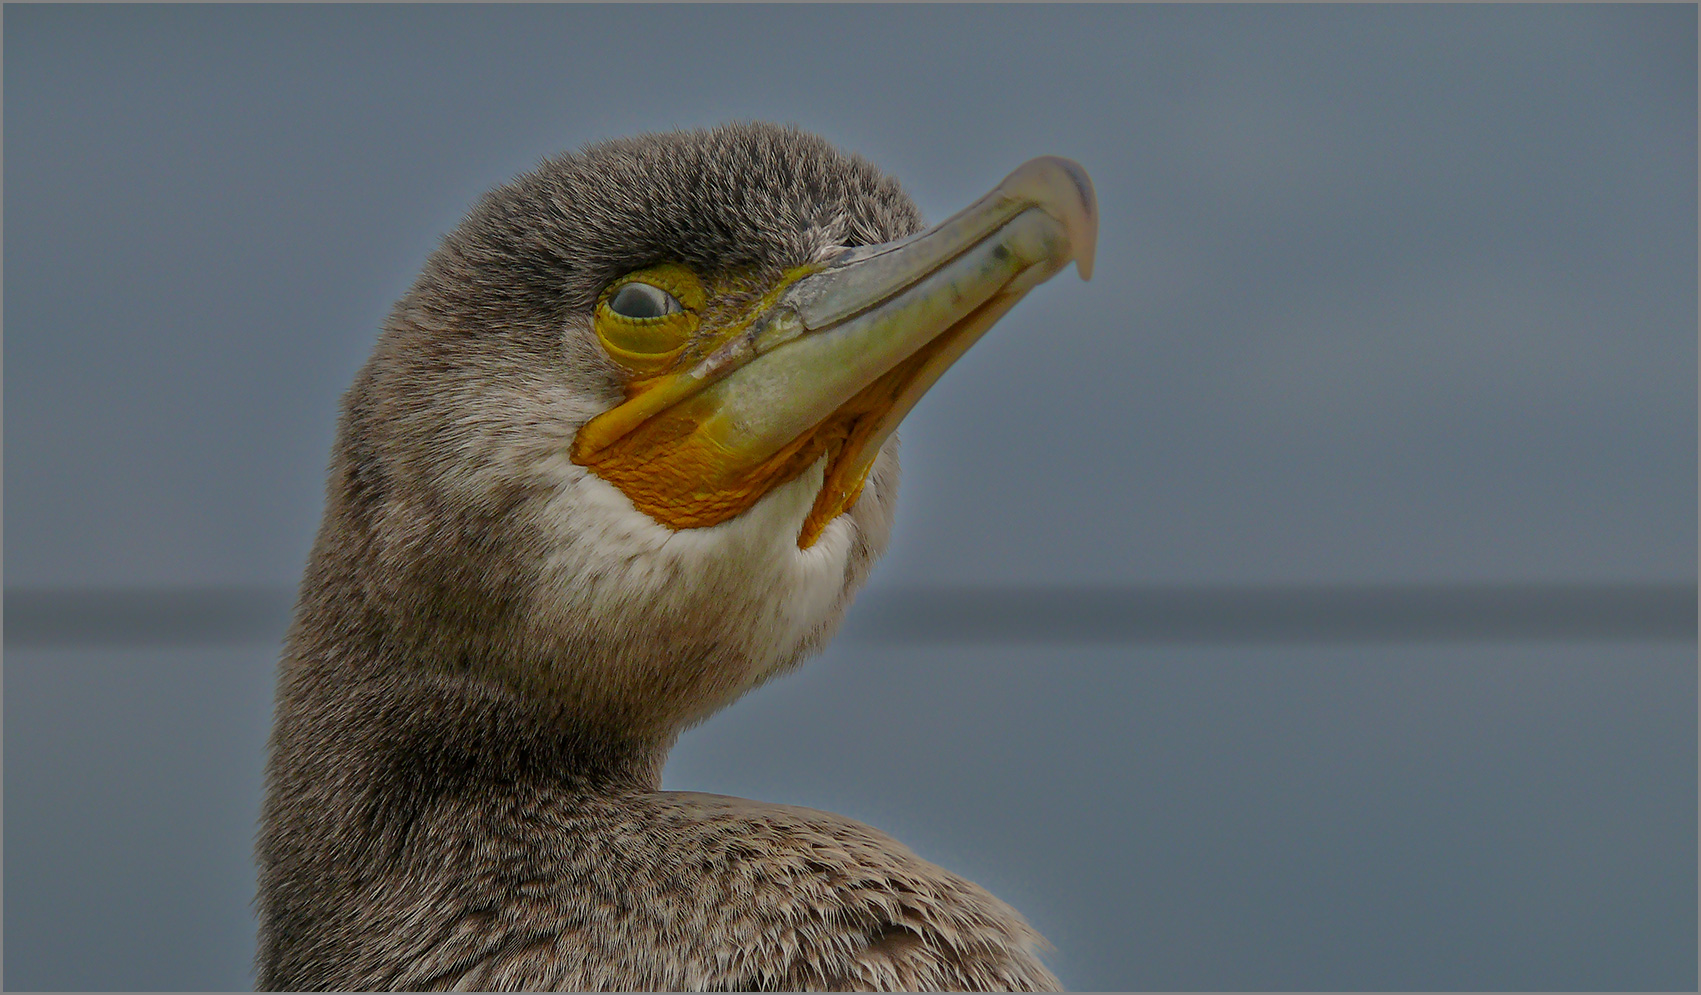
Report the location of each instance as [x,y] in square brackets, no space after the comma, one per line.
[1139,612]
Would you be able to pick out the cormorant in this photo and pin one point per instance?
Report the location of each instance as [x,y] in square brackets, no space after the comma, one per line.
[622,453]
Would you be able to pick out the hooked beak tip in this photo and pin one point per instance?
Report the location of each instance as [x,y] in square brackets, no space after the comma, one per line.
[1062,189]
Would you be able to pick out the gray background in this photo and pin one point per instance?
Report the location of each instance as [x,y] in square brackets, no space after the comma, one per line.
[1384,296]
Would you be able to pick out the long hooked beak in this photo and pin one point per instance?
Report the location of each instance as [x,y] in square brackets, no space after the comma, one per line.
[839,358]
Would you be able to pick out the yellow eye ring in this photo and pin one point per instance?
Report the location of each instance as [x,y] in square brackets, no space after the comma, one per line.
[661,304]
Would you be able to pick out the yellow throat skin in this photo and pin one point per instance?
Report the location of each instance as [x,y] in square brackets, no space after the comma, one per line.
[722,408]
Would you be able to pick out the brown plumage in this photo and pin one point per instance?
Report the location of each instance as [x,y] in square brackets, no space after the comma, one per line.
[493,651]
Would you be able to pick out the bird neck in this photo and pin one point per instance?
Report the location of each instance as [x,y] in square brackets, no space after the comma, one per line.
[373,760]
[368,704]
[379,676]
[425,732]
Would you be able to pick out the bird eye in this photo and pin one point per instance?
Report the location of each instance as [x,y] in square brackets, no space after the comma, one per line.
[646,318]
[640,300]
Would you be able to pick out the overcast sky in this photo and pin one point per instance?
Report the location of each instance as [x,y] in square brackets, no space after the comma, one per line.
[1382,294]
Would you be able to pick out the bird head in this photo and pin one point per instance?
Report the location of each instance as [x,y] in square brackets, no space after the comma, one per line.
[628,446]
